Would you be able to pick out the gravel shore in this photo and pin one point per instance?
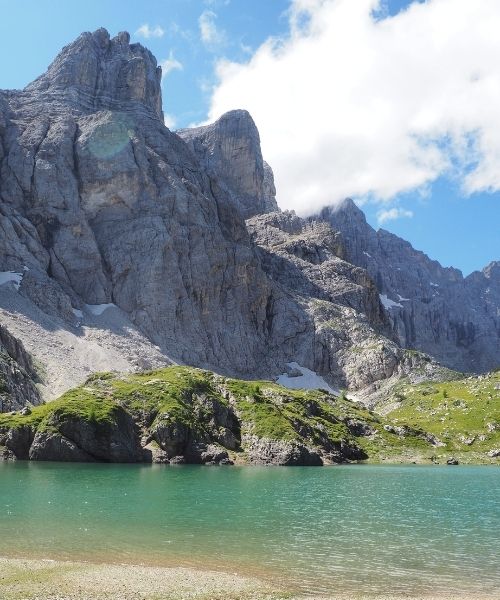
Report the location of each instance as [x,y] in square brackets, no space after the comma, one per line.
[22,579]
[27,579]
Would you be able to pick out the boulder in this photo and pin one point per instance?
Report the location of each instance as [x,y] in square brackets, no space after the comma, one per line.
[53,446]
[262,451]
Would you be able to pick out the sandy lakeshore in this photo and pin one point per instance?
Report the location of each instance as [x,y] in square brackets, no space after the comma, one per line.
[27,579]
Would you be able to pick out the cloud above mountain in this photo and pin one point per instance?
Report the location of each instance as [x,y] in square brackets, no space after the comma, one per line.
[147,32]
[211,36]
[170,64]
[391,214]
[353,102]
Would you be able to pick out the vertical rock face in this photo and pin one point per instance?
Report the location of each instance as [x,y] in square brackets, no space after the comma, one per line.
[18,376]
[230,147]
[432,308]
[306,256]
[351,339]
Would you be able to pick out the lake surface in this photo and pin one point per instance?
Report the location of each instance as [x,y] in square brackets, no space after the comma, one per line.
[370,529]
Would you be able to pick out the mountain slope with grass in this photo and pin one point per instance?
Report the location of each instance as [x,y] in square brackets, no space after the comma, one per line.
[186,415]
[463,415]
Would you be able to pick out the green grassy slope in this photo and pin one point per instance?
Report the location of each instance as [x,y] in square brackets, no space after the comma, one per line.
[464,415]
[428,421]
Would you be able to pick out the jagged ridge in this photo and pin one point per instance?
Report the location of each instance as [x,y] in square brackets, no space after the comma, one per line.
[434,309]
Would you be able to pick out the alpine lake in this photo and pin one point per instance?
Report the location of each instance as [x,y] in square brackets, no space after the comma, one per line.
[369,530]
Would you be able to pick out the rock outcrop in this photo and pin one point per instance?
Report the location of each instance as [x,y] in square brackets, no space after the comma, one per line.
[184,415]
[230,149]
[18,376]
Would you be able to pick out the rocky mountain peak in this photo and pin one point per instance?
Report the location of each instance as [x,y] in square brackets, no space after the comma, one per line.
[432,308]
[230,147]
[99,72]
[492,271]
[357,234]
[346,207]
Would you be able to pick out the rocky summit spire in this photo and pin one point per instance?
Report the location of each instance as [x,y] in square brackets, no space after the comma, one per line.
[231,148]
[98,72]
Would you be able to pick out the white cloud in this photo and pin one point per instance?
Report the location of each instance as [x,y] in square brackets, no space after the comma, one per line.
[147,32]
[355,103]
[246,48]
[186,34]
[170,64]
[211,36]
[205,85]
[217,3]
[169,120]
[391,214]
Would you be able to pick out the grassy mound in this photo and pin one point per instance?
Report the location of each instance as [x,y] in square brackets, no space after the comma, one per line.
[430,421]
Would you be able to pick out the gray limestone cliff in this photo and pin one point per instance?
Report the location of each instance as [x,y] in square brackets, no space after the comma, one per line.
[102,204]
[99,73]
[353,343]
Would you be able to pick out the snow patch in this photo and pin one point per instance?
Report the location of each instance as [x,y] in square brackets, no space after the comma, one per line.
[309,380]
[366,254]
[388,303]
[11,277]
[354,398]
[434,284]
[98,309]
[401,299]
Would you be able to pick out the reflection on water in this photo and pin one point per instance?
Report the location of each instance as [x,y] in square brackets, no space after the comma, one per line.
[405,530]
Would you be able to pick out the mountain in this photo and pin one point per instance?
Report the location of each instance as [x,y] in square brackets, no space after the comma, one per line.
[431,308]
[103,205]
[125,246]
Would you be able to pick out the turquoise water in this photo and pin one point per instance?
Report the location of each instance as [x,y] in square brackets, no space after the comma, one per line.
[401,530]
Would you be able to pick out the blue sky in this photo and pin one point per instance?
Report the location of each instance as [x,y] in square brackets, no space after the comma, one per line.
[455,226]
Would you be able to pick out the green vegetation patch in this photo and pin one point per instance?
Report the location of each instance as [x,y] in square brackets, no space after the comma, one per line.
[80,403]
[463,414]
[167,394]
[271,411]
